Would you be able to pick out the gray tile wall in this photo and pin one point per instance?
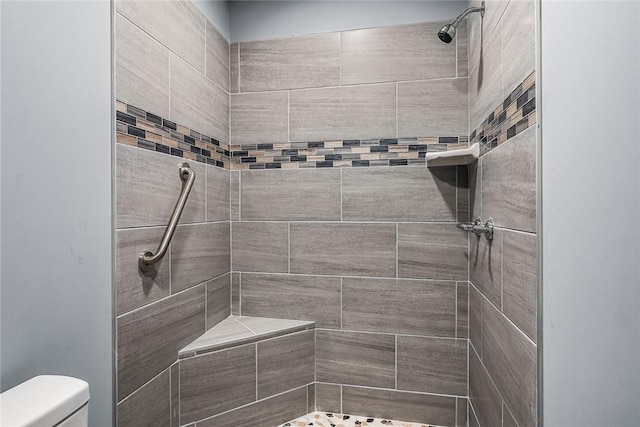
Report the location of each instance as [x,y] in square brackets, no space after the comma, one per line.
[372,83]
[502,273]
[374,257]
[172,62]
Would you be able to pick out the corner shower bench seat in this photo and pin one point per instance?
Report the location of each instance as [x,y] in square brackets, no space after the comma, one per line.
[248,371]
[239,330]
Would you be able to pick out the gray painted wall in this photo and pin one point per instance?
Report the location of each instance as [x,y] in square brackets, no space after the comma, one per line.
[259,20]
[56,196]
[591,205]
[217,12]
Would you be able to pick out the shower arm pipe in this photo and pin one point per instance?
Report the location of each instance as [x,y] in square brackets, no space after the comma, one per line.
[147,259]
[463,15]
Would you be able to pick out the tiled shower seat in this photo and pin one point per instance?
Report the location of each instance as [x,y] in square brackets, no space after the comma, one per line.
[238,330]
[247,371]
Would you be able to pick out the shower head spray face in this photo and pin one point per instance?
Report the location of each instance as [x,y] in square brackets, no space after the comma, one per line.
[448,32]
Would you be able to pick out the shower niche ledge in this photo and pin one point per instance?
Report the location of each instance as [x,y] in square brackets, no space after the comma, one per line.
[453,157]
[238,330]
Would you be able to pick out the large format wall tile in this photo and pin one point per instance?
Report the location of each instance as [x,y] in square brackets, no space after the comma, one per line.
[265,413]
[260,246]
[217,194]
[260,118]
[399,306]
[485,81]
[136,411]
[135,288]
[510,359]
[398,194]
[432,251]
[148,185]
[292,297]
[519,44]
[142,69]
[484,396]
[218,300]
[485,265]
[433,107]
[217,382]
[509,183]
[297,62]
[199,252]
[355,358]
[217,57]
[179,25]
[362,249]
[149,338]
[328,397]
[432,365]
[286,363]
[197,102]
[290,195]
[519,281]
[355,112]
[412,407]
[394,53]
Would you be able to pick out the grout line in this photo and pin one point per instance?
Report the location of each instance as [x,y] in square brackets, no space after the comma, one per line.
[352,331]
[340,57]
[289,247]
[397,126]
[341,305]
[288,116]
[266,273]
[397,251]
[341,195]
[456,310]
[256,347]
[206,303]
[396,362]
[179,393]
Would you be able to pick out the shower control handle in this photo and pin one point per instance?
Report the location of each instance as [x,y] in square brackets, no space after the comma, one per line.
[478,228]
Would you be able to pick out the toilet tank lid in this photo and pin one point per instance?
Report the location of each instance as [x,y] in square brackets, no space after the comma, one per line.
[44,400]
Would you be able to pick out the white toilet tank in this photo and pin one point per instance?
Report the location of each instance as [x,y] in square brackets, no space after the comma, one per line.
[46,401]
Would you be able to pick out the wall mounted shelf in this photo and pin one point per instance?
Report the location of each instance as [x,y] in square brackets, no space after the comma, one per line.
[454,157]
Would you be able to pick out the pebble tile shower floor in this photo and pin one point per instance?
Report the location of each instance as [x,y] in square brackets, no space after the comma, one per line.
[329,419]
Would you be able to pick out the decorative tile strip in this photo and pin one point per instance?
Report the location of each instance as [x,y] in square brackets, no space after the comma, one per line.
[146,130]
[513,116]
[341,153]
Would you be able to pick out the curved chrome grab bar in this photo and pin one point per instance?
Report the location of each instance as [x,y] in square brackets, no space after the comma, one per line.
[147,259]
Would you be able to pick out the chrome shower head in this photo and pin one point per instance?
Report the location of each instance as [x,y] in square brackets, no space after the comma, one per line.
[448,32]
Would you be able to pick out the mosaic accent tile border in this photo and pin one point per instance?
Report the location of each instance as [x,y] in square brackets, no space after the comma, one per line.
[146,130]
[342,153]
[514,115]
[325,419]
[142,129]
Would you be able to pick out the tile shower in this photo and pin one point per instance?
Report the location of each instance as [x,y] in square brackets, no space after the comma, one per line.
[312,203]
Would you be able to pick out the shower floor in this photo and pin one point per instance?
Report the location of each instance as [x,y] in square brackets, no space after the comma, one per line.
[329,419]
